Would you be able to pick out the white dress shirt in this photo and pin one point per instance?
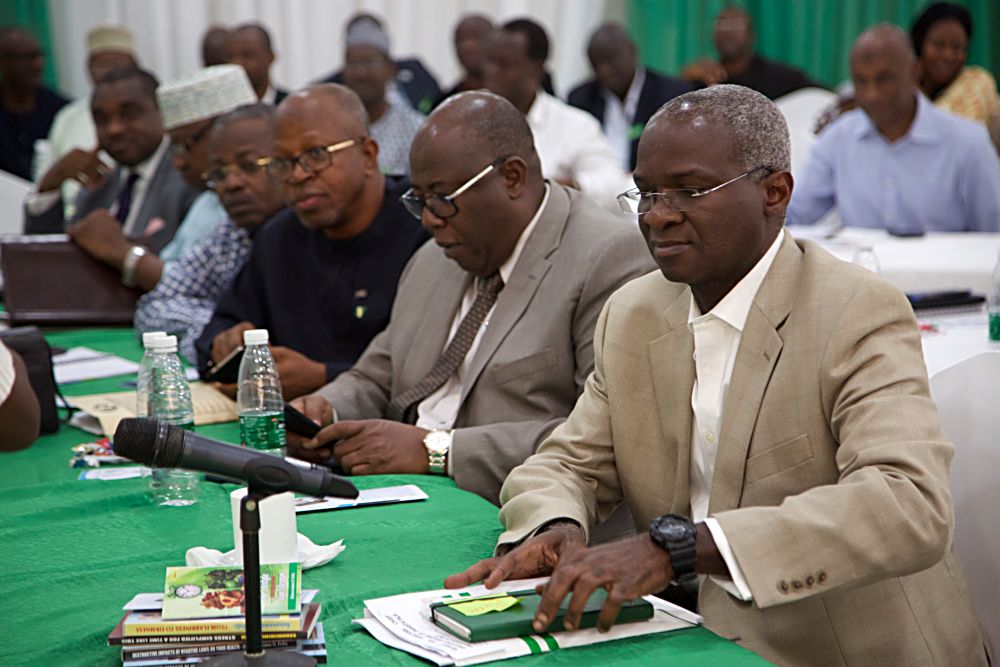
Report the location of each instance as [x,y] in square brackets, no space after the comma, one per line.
[72,127]
[6,373]
[439,410]
[572,145]
[618,115]
[717,335]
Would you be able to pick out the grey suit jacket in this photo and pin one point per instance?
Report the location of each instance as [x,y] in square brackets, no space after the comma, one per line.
[536,354]
[168,197]
[831,477]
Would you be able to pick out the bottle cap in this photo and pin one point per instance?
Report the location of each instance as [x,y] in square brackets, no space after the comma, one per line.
[149,336]
[164,344]
[255,337]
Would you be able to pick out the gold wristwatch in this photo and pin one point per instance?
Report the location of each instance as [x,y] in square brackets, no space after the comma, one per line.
[437,443]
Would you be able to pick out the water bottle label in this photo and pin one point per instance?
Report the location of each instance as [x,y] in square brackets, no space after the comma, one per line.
[995,326]
[263,431]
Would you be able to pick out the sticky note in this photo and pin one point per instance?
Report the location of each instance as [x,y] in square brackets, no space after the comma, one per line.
[484,606]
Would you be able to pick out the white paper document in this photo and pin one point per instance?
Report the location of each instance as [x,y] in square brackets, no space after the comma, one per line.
[404,622]
[126,472]
[384,496]
[82,363]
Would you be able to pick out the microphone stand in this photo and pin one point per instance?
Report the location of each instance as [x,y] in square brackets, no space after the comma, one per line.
[255,654]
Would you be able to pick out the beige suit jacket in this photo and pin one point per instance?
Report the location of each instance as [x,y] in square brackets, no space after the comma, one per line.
[536,353]
[831,478]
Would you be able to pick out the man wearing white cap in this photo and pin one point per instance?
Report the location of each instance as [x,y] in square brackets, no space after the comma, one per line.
[142,198]
[109,47]
[188,107]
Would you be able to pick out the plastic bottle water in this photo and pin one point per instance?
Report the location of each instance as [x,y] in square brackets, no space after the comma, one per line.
[994,309]
[258,396]
[170,401]
[865,257]
[142,378]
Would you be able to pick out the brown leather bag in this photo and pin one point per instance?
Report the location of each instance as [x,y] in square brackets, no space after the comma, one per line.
[48,280]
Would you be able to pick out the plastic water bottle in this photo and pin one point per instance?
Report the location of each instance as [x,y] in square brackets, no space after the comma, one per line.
[170,401]
[865,257]
[142,378]
[994,309]
[258,396]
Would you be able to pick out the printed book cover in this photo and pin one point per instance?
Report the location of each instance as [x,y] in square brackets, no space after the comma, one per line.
[217,591]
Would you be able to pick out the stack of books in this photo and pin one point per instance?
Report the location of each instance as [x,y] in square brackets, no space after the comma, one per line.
[200,615]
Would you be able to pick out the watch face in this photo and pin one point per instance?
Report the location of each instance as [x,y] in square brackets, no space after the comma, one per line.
[437,442]
[673,531]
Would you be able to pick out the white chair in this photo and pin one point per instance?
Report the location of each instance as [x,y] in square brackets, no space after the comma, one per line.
[801,110]
[966,395]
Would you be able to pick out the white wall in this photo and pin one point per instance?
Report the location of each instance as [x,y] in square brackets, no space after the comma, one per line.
[307,34]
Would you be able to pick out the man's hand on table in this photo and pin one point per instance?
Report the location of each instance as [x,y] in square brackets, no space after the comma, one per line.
[228,340]
[627,569]
[299,374]
[375,447]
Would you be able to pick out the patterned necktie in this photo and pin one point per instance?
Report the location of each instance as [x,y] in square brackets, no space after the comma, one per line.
[404,407]
[124,200]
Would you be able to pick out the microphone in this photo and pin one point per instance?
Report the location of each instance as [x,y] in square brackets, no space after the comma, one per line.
[163,445]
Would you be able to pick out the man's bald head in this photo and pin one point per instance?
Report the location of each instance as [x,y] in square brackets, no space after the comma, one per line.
[21,59]
[884,40]
[883,72]
[610,35]
[215,46]
[488,124]
[328,99]
[613,57]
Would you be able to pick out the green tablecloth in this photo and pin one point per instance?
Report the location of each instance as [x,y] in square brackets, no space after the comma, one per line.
[73,552]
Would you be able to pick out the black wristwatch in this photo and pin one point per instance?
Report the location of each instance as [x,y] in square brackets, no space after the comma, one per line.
[675,534]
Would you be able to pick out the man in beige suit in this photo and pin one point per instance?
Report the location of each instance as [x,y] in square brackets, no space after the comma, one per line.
[491,335]
[764,411]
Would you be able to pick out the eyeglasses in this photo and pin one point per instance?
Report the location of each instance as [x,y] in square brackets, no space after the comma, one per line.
[640,203]
[443,206]
[183,148]
[312,161]
[244,168]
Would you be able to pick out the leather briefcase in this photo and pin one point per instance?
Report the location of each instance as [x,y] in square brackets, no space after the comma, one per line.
[48,280]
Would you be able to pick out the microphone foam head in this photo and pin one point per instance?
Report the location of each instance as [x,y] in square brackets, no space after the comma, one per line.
[149,442]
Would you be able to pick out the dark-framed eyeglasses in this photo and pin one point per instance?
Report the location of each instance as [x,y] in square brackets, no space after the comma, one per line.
[216,176]
[312,160]
[182,148]
[639,202]
[443,206]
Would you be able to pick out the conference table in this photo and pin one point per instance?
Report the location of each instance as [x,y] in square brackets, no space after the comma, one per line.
[75,551]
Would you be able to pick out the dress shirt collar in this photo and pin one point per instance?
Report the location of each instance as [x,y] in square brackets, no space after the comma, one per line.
[270,95]
[539,110]
[735,306]
[146,168]
[923,129]
[631,100]
[507,267]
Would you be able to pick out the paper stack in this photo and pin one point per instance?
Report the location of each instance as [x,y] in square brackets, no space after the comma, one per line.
[404,622]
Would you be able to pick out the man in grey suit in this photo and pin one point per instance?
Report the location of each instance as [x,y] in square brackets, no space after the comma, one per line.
[491,335]
[144,193]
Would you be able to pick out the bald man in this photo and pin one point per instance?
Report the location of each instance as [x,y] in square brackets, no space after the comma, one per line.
[897,162]
[470,38]
[623,94]
[490,339]
[322,276]
[27,108]
[763,409]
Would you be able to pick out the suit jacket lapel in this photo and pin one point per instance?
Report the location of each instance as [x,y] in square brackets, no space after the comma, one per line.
[760,347]
[152,204]
[528,274]
[672,367]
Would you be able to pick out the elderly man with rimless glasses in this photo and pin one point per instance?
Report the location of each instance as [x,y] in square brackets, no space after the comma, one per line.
[490,339]
[321,277]
[763,408]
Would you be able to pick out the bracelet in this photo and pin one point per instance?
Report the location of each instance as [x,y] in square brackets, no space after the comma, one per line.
[131,261]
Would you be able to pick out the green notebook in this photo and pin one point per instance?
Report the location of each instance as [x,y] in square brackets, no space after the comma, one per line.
[516,620]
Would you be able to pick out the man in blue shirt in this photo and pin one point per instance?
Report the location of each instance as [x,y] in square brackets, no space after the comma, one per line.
[897,162]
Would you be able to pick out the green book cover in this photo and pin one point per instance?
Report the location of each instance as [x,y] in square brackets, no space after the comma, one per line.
[516,621]
[217,591]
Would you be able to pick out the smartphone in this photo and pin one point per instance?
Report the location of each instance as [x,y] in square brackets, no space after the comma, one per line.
[227,370]
[298,423]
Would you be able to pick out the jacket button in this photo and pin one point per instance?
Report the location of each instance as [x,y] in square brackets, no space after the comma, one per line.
[810,581]
[783,586]
[797,585]
[821,577]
